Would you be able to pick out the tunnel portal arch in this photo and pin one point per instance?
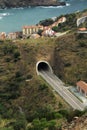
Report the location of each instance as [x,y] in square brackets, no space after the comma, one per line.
[43,65]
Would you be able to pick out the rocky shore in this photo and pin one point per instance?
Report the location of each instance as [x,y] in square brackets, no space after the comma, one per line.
[25,3]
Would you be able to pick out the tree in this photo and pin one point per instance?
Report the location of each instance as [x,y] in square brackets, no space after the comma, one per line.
[39,124]
[55,28]
[36,124]
[51,125]
[20,123]
[16,54]
[46,22]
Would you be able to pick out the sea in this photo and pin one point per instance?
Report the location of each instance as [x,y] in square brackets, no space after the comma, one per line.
[13,19]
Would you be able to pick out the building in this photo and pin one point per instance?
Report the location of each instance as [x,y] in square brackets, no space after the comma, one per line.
[28,30]
[48,32]
[12,36]
[82,29]
[82,87]
[2,35]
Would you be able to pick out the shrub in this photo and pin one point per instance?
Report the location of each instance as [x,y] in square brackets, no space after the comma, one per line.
[16,54]
[5,128]
[18,74]
[64,113]
[43,87]
[29,76]
[40,32]
[55,29]
[9,48]
[58,115]
[46,22]
[20,123]
[82,44]
[8,59]
[51,125]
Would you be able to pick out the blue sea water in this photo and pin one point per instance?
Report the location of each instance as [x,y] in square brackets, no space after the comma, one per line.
[12,20]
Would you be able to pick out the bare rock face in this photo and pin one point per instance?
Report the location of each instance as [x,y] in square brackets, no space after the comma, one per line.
[26,3]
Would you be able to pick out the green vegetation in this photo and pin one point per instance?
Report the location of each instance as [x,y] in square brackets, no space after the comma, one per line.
[46,22]
[42,124]
[69,24]
[27,102]
[72,49]
[23,96]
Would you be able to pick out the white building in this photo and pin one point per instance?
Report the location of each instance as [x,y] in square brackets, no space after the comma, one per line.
[12,36]
[28,30]
[48,32]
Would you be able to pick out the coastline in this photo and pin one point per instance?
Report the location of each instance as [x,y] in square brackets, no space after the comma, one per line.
[33,5]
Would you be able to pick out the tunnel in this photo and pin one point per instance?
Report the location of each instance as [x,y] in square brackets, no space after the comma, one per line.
[43,65]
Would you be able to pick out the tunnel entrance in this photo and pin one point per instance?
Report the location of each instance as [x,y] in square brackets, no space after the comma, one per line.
[43,66]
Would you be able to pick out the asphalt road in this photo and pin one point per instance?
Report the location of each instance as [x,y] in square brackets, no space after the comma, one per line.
[62,90]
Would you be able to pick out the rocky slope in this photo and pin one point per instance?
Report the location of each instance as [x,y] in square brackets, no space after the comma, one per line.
[26,3]
[78,123]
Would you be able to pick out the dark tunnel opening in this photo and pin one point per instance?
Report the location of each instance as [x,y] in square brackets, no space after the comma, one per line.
[43,66]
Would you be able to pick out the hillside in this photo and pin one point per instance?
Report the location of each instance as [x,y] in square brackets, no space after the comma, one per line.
[27,102]
[72,49]
[22,91]
[26,3]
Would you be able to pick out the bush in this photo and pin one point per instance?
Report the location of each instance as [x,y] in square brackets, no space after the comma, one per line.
[43,87]
[64,113]
[58,116]
[9,48]
[2,109]
[82,44]
[29,76]
[18,74]
[46,22]
[40,32]
[8,59]
[42,124]
[51,125]
[5,128]
[20,123]
[16,54]
[55,29]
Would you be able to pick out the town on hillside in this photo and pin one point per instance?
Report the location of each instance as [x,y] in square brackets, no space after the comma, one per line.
[53,27]
[49,28]
[34,31]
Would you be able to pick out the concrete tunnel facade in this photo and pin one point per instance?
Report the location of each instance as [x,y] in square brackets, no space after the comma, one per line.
[43,65]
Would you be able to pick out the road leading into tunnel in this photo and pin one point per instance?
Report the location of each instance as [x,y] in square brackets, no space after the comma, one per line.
[59,87]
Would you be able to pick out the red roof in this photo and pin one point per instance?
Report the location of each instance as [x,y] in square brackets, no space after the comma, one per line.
[82,29]
[82,85]
[32,26]
[29,26]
